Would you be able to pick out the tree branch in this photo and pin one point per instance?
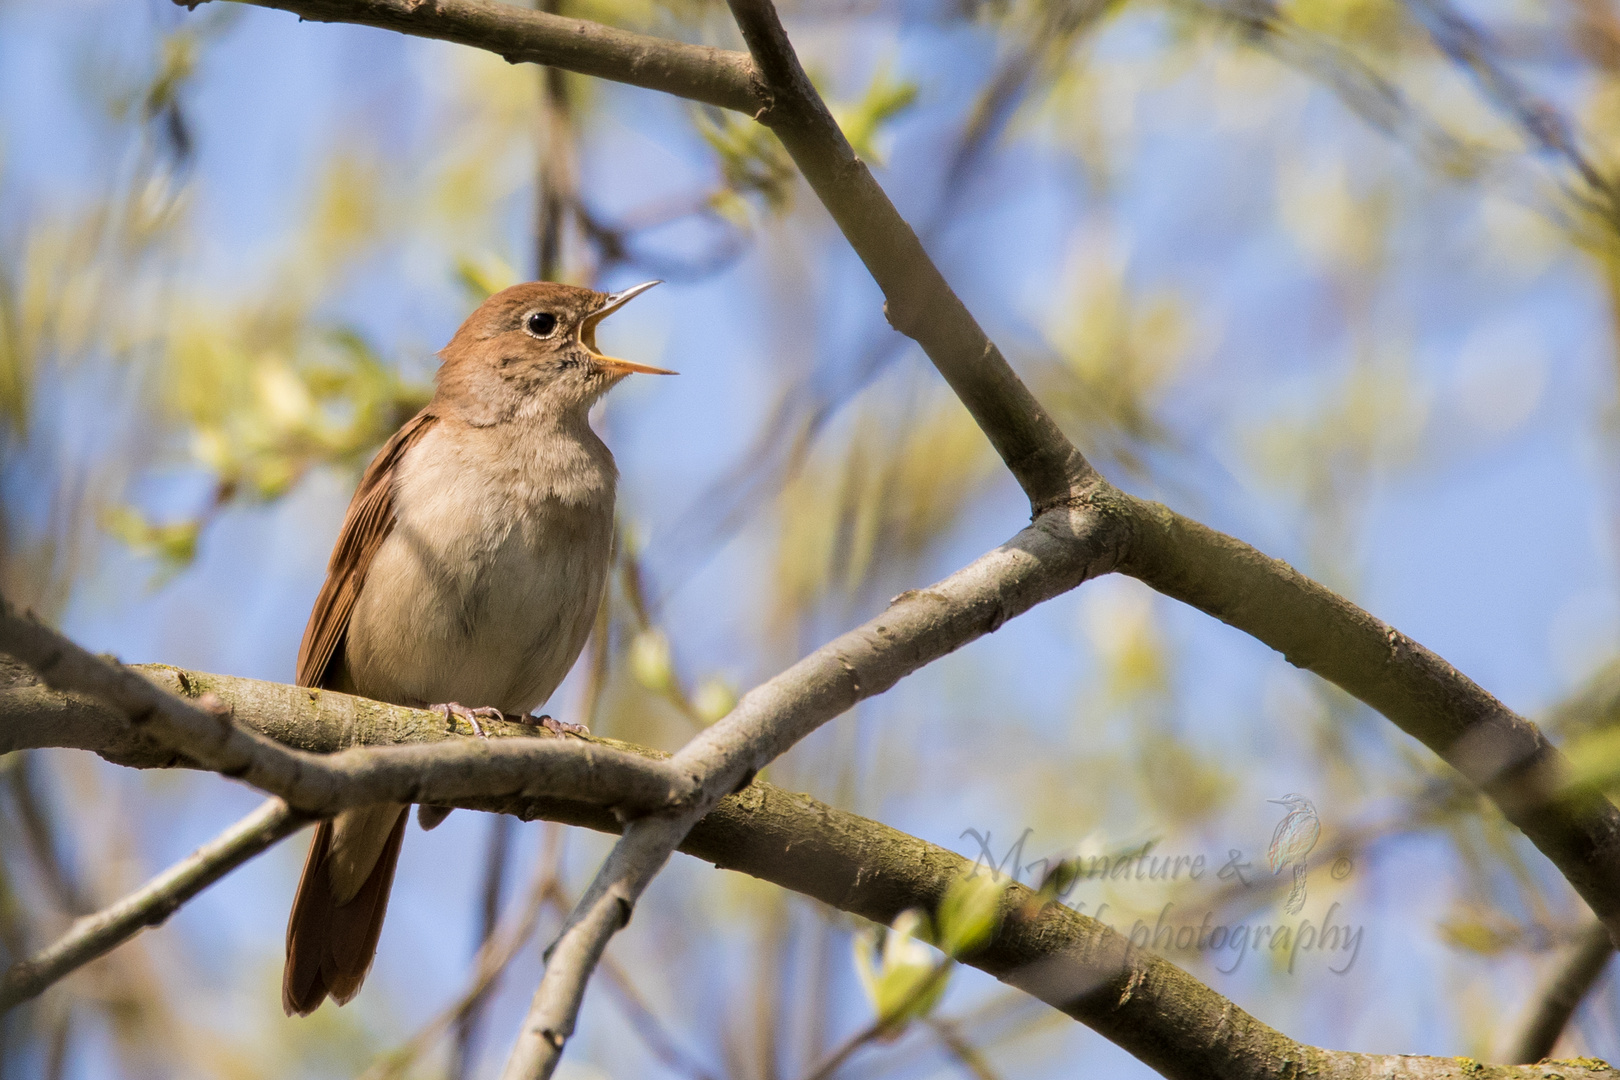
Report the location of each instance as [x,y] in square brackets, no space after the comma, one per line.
[1148,1006]
[321,785]
[1498,751]
[522,36]
[96,935]
[1054,554]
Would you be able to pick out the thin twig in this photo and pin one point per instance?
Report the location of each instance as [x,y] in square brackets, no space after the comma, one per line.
[883,1026]
[497,954]
[496,856]
[970,1057]
[647,1025]
[1574,977]
[96,935]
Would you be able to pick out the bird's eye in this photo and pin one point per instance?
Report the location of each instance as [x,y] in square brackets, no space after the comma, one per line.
[542,324]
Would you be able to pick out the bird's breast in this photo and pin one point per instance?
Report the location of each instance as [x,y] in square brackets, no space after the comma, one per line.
[487,586]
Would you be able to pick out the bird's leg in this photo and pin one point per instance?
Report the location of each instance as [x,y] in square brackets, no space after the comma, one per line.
[556,727]
[455,709]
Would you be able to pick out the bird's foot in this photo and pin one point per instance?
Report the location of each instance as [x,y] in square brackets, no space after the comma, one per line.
[454,710]
[557,727]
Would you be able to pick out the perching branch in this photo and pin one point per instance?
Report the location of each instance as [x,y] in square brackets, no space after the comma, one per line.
[96,935]
[321,785]
[1145,1004]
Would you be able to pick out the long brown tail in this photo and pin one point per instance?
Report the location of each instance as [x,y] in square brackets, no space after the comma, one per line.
[330,945]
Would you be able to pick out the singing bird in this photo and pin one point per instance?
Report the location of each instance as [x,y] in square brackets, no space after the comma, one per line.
[1292,840]
[466,578]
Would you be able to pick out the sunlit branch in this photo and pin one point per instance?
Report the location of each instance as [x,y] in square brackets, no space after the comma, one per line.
[714,76]
[1054,554]
[1314,628]
[321,785]
[96,935]
[1076,964]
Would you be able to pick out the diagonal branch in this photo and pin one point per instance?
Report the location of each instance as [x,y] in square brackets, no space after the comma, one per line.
[1314,628]
[917,299]
[1577,973]
[96,935]
[1077,964]
[1054,554]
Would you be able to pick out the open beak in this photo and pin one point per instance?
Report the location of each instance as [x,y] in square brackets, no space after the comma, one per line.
[587,334]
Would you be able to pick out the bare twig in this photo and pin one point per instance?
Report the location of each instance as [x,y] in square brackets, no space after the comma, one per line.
[496,856]
[971,1058]
[96,935]
[647,1025]
[1548,131]
[496,955]
[41,839]
[1557,1000]
[883,1026]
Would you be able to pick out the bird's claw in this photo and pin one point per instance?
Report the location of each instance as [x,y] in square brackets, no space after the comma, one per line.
[454,710]
[557,727]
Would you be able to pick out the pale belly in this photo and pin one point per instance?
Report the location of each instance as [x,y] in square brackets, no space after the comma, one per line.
[472,601]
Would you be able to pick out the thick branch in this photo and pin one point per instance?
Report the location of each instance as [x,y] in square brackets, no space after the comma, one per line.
[320,785]
[96,935]
[1497,750]
[1150,1007]
[524,36]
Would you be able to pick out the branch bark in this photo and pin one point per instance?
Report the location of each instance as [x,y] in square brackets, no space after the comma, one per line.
[522,36]
[321,785]
[1145,1004]
[1494,748]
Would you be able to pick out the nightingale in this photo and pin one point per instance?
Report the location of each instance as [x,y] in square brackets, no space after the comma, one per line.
[469,569]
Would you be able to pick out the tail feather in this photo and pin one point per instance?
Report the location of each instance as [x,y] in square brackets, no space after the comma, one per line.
[330,946]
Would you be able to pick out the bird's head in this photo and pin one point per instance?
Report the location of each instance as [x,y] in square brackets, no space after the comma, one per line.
[1293,802]
[532,347]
